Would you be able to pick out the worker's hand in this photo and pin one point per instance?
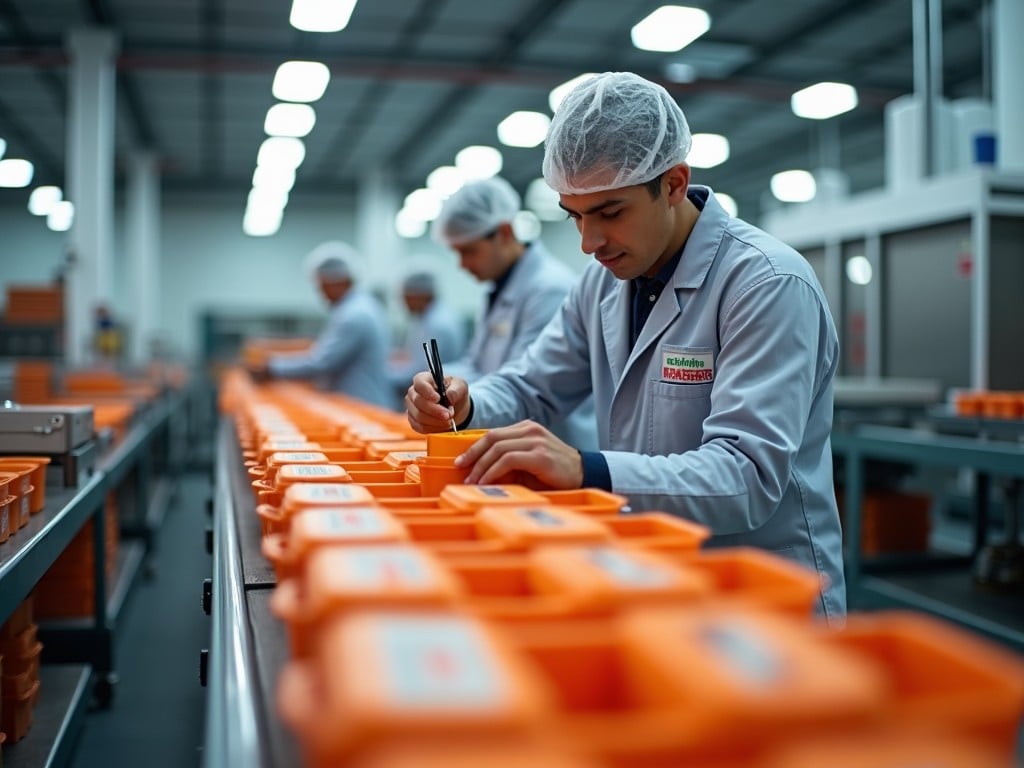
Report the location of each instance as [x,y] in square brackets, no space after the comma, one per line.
[423,404]
[524,454]
[259,371]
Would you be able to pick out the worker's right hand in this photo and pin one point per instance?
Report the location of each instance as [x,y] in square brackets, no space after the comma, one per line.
[423,404]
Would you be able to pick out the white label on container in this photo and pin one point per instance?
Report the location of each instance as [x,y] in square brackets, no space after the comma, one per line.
[625,570]
[407,455]
[745,653]
[348,521]
[314,470]
[286,457]
[387,568]
[281,445]
[542,518]
[493,491]
[329,492]
[438,663]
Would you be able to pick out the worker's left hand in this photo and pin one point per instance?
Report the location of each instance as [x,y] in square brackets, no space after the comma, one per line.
[524,454]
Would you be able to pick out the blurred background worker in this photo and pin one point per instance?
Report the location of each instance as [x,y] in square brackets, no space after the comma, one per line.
[351,352]
[429,318]
[528,285]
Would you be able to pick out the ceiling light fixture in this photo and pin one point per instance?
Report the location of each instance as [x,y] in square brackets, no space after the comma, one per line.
[708,150]
[281,151]
[408,225]
[559,92]
[15,173]
[3,147]
[543,200]
[321,15]
[823,100]
[61,216]
[289,120]
[42,199]
[523,129]
[300,81]
[275,177]
[423,204]
[446,180]
[479,162]
[793,186]
[670,28]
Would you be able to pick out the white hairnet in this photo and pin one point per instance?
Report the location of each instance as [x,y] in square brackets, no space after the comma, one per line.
[475,210]
[419,284]
[332,260]
[613,130]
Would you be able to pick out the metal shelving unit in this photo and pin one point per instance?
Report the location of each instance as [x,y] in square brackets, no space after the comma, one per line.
[56,720]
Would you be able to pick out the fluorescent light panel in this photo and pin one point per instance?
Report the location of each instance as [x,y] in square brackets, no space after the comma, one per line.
[408,225]
[303,81]
[42,199]
[523,129]
[423,204]
[61,216]
[281,151]
[446,180]
[543,200]
[479,162]
[793,186]
[15,173]
[289,120]
[708,150]
[321,15]
[823,100]
[670,28]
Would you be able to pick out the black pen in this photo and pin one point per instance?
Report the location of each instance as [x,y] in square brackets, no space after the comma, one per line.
[437,372]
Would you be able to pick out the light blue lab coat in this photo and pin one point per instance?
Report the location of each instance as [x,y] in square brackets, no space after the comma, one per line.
[531,297]
[721,412]
[439,322]
[350,356]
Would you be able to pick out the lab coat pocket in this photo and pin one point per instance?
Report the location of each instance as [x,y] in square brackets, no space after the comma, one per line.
[676,418]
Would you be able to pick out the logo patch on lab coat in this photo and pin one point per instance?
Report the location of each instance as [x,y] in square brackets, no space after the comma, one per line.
[687,366]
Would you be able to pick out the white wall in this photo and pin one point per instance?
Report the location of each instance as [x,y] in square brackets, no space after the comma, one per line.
[207,263]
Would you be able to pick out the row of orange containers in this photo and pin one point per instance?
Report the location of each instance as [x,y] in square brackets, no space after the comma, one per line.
[990,404]
[22,491]
[20,652]
[498,626]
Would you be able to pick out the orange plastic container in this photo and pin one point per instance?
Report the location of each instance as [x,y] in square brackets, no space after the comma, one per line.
[503,529]
[381,679]
[417,506]
[871,751]
[571,582]
[749,577]
[490,753]
[470,498]
[315,528]
[402,459]
[276,517]
[16,623]
[589,501]
[452,444]
[279,458]
[8,515]
[656,531]
[752,679]
[378,476]
[37,477]
[942,681]
[378,449]
[393,490]
[17,714]
[437,473]
[343,579]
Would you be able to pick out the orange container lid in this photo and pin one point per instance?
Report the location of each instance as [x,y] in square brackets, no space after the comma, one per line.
[656,530]
[452,443]
[402,459]
[591,501]
[393,490]
[288,474]
[304,494]
[378,476]
[378,449]
[940,676]
[470,498]
[382,576]
[383,678]
[750,675]
[607,577]
[524,527]
[312,528]
[279,458]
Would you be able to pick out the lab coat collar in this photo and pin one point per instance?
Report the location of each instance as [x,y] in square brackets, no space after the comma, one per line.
[705,238]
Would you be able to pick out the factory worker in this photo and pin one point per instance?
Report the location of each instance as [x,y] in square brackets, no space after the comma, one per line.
[429,318]
[350,354]
[707,343]
[526,287]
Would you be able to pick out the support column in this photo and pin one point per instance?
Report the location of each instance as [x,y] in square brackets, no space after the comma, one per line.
[90,185]
[142,229]
[376,239]
[1008,95]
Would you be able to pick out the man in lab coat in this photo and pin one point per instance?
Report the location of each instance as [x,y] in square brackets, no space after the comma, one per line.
[350,354]
[527,286]
[707,343]
[429,318]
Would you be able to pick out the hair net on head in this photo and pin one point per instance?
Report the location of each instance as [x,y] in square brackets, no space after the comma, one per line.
[475,210]
[332,260]
[419,284]
[613,130]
